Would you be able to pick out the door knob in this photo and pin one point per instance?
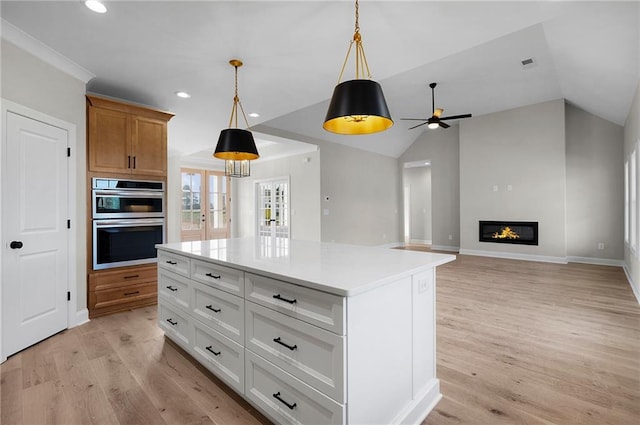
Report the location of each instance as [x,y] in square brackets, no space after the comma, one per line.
[15,244]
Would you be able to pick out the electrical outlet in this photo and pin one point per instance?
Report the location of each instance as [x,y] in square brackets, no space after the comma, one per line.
[423,285]
[600,245]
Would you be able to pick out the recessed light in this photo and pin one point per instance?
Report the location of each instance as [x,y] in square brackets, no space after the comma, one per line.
[183,94]
[254,115]
[96,6]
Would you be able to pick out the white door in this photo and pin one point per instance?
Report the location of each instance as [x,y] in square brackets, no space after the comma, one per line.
[35,244]
[272,209]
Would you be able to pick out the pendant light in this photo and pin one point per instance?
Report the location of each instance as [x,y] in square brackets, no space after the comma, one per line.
[235,145]
[357,106]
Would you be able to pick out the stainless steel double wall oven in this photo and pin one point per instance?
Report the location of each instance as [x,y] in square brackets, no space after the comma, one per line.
[128,221]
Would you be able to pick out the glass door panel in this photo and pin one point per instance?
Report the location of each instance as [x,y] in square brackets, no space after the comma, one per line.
[206,205]
[218,220]
[272,209]
[192,217]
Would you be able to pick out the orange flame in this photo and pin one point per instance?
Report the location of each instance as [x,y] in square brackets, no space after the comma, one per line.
[506,233]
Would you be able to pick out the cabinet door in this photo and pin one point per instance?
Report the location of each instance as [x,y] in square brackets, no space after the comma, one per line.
[109,141]
[149,146]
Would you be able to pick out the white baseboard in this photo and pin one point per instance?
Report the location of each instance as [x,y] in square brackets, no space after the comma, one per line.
[82,317]
[597,261]
[445,248]
[515,256]
[634,289]
[421,241]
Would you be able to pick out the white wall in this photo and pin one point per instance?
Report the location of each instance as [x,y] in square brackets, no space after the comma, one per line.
[441,148]
[304,192]
[595,182]
[523,148]
[33,83]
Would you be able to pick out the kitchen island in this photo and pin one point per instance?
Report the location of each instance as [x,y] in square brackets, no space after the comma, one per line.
[308,332]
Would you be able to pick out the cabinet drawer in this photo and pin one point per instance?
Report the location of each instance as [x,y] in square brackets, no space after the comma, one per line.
[124,294]
[174,262]
[221,277]
[176,325]
[219,310]
[315,307]
[219,354]
[174,288]
[110,279]
[285,398]
[313,355]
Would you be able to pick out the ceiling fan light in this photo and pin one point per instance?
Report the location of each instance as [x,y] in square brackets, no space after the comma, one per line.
[357,107]
[236,144]
[433,125]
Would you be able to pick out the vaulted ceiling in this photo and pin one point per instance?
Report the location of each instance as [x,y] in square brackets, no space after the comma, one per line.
[145,51]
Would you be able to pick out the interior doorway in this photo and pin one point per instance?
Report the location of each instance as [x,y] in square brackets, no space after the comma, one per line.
[417,203]
[272,209]
[206,205]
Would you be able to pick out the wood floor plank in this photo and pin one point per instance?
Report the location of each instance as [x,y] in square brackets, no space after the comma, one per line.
[11,393]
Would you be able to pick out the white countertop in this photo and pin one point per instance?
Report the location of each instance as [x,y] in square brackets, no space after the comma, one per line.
[339,269]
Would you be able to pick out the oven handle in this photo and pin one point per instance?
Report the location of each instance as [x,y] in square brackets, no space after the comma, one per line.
[129,194]
[129,223]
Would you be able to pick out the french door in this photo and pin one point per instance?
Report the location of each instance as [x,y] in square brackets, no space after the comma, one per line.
[206,205]
[272,209]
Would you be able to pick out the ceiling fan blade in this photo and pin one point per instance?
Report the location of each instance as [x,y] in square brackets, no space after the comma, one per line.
[411,128]
[414,119]
[456,117]
[438,112]
[444,124]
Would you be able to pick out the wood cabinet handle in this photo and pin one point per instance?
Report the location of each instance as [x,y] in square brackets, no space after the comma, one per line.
[134,162]
[132,276]
[129,160]
[126,294]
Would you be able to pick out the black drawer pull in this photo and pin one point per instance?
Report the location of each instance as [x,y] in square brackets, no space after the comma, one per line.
[210,349]
[213,276]
[132,276]
[278,297]
[171,288]
[172,322]
[173,263]
[290,347]
[277,397]
[210,307]
[126,294]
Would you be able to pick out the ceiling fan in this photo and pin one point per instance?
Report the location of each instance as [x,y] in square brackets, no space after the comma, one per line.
[436,120]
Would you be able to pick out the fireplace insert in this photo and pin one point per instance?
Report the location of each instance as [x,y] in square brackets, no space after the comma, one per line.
[513,232]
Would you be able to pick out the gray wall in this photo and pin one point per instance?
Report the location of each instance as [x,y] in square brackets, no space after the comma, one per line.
[631,140]
[441,148]
[523,149]
[418,180]
[304,191]
[595,182]
[30,82]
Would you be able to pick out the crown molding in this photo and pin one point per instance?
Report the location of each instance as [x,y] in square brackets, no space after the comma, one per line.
[15,35]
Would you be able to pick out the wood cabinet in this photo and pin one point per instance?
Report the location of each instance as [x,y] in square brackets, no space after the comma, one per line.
[125,138]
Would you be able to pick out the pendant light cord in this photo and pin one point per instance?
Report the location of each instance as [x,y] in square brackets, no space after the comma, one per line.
[236,102]
[361,59]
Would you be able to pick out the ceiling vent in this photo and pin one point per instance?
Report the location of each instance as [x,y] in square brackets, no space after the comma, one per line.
[528,63]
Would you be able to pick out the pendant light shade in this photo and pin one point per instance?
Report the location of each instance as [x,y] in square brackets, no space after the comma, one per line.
[357,106]
[235,145]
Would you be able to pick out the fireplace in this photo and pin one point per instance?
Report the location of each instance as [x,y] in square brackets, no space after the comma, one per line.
[514,232]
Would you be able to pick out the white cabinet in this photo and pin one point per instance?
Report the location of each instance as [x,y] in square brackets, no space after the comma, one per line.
[303,355]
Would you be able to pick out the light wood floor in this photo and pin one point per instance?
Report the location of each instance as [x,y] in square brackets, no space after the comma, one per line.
[517,343]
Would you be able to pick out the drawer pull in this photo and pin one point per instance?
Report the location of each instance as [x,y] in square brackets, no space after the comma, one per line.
[290,347]
[277,397]
[278,297]
[210,349]
[171,288]
[210,307]
[132,276]
[213,276]
[173,263]
[172,322]
[126,294]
